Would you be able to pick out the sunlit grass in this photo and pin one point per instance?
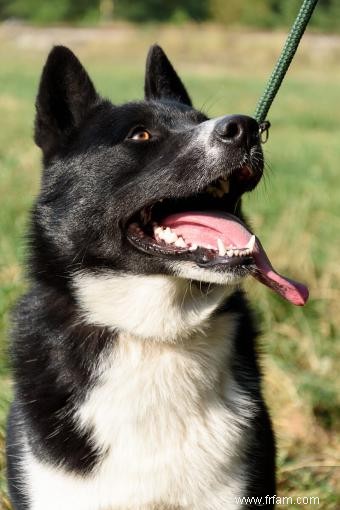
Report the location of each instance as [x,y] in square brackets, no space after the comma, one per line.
[295,212]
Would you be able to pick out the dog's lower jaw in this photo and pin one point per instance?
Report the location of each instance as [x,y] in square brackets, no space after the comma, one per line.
[159,307]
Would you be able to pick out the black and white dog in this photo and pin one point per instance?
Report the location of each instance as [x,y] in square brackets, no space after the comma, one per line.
[137,384]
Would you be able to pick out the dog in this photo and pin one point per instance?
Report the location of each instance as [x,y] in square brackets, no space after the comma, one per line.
[137,379]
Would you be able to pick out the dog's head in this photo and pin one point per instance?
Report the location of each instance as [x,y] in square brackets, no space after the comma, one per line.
[148,187]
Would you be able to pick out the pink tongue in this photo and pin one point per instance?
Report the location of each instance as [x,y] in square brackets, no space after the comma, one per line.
[204,229]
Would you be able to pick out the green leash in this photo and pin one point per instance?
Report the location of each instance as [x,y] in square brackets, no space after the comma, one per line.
[282,65]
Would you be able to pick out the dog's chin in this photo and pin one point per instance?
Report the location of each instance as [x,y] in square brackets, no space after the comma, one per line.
[190,271]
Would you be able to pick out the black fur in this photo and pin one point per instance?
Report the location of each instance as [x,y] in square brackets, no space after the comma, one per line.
[65,97]
[94,180]
[161,80]
[261,460]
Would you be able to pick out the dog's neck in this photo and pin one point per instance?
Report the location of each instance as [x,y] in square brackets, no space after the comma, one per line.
[157,307]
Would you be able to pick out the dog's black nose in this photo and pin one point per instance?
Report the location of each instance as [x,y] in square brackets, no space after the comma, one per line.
[238,130]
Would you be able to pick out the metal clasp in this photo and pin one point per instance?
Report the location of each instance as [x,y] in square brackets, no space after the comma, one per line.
[264,131]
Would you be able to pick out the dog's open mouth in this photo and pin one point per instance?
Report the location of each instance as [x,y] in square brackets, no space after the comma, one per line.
[204,229]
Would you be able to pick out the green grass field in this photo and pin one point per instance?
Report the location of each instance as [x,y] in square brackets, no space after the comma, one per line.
[295,210]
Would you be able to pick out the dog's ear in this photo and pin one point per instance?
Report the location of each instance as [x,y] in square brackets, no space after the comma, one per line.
[161,79]
[66,95]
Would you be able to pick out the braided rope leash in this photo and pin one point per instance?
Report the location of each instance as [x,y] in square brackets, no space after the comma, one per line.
[282,65]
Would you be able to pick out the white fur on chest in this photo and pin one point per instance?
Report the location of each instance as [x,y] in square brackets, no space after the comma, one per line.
[164,415]
[165,308]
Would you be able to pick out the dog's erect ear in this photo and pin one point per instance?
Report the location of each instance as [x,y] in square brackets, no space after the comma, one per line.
[66,95]
[161,79]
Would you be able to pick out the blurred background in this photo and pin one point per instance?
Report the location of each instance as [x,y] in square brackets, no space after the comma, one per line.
[224,51]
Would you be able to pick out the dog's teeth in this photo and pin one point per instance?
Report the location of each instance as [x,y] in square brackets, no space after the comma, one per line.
[164,236]
[193,247]
[169,236]
[212,190]
[180,243]
[160,232]
[230,253]
[236,252]
[221,248]
[225,185]
[251,243]
[172,238]
[215,192]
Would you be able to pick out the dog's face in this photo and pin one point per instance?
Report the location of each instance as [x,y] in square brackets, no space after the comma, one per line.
[148,187]
[112,172]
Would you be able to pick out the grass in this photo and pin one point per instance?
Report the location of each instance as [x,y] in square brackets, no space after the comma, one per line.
[295,209]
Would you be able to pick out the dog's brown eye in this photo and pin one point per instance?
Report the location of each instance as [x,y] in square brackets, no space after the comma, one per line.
[140,135]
